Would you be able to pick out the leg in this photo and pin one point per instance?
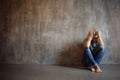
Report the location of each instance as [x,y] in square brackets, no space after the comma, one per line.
[88,58]
[99,55]
[98,58]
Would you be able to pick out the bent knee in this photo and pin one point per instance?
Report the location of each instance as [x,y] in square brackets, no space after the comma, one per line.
[102,49]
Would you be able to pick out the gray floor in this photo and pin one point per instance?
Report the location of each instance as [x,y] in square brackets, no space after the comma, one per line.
[50,72]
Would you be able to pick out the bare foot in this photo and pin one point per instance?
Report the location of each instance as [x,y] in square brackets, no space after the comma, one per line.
[97,69]
[92,68]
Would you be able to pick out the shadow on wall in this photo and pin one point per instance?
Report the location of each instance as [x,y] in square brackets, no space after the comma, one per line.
[72,56]
[7,25]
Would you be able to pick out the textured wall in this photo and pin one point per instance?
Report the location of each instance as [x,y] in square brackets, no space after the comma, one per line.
[52,31]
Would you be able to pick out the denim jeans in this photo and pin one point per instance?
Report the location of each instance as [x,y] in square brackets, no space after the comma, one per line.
[92,59]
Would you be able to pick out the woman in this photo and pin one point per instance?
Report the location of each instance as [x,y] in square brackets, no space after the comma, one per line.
[94,51]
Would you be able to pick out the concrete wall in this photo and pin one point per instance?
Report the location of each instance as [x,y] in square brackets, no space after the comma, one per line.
[52,31]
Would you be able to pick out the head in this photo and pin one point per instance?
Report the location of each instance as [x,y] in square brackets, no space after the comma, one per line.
[95,35]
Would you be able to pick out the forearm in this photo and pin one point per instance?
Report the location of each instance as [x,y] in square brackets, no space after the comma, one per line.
[101,42]
[87,43]
[88,39]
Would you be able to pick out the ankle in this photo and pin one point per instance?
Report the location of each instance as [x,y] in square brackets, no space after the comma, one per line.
[97,69]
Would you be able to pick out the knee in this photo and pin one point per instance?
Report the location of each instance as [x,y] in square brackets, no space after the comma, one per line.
[86,49]
[102,49]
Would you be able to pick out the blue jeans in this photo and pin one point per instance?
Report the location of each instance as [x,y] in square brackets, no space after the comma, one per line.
[92,59]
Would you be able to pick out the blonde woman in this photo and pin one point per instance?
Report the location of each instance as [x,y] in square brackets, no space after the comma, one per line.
[94,51]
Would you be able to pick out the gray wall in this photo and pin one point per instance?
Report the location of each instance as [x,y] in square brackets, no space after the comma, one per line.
[52,31]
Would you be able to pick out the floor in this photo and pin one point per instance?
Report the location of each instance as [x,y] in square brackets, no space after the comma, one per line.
[52,72]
